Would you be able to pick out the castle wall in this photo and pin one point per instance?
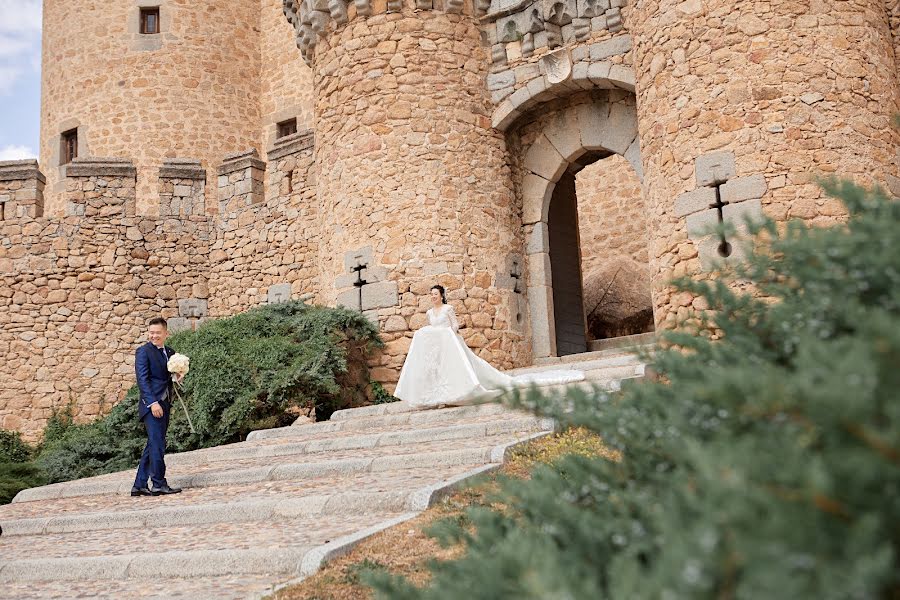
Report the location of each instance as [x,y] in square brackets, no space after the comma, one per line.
[266,251]
[192,90]
[286,87]
[770,94]
[75,297]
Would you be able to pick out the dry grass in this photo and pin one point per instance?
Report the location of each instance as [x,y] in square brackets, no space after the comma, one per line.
[406,550]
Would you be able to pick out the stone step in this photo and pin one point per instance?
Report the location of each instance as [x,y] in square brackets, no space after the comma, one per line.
[602,367]
[399,491]
[163,587]
[574,359]
[217,474]
[626,341]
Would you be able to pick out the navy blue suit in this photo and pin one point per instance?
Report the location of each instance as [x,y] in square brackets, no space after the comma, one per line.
[155,383]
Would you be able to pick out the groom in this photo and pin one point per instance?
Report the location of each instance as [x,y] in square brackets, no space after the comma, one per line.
[154,405]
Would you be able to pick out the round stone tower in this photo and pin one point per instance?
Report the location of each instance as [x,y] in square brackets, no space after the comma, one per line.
[146,80]
[756,99]
[412,180]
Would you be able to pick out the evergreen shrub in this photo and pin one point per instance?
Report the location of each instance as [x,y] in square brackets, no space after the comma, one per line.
[255,370]
[765,464]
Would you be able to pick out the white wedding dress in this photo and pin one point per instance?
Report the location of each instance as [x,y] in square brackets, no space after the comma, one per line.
[441,369]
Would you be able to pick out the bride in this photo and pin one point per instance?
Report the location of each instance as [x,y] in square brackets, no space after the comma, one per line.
[441,369]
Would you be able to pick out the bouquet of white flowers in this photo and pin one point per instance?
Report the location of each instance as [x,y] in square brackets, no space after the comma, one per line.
[179,364]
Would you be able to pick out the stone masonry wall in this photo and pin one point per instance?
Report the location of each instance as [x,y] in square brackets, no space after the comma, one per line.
[192,90]
[286,87]
[611,214]
[782,92]
[75,297]
[266,251]
[413,181]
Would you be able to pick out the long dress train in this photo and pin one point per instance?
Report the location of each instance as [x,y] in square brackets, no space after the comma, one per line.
[441,369]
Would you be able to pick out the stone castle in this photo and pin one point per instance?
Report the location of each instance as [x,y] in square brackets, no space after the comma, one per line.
[553,163]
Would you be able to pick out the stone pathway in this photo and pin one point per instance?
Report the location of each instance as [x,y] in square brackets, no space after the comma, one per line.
[261,512]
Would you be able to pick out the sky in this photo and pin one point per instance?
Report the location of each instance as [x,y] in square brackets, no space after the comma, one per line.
[20,78]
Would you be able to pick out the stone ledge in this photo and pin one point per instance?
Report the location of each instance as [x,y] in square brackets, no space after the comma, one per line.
[292,144]
[239,161]
[11,170]
[101,167]
[182,168]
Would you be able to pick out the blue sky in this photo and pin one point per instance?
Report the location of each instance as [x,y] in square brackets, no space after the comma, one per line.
[20,78]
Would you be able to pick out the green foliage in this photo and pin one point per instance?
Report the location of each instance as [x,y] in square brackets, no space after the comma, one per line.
[763,465]
[250,371]
[12,448]
[18,476]
[381,395]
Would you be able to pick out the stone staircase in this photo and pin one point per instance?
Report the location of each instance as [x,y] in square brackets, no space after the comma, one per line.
[264,511]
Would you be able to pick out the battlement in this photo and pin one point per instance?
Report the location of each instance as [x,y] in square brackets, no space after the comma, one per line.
[21,190]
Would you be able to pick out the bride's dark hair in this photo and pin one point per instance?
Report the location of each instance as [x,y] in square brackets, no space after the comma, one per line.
[440,288]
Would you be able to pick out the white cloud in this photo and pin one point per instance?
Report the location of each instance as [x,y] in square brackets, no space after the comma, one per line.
[20,17]
[16,153]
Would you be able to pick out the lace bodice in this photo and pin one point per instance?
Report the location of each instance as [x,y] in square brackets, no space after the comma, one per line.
[443,317]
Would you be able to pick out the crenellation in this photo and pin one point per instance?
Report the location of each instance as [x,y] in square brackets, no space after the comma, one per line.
[21,190]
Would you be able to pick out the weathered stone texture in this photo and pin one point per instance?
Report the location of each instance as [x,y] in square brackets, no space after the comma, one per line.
[407,162]
[193,90]
[794,90]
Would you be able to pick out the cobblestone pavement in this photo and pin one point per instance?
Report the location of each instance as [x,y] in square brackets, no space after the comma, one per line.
[255,513]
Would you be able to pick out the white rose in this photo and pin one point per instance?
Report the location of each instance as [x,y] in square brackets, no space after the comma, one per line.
[179,364]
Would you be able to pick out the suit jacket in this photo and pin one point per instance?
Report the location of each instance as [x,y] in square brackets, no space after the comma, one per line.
[153,377]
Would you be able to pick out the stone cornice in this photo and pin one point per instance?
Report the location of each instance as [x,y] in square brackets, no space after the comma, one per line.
[240,161]
[182,168]
[101,167]
[298,142]
[21,169]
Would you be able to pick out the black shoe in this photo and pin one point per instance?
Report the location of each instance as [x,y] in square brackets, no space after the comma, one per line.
[165,490]
[136,491]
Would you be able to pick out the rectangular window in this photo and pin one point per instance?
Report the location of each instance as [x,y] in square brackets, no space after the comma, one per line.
[149,20]
[69,147]
[286,128]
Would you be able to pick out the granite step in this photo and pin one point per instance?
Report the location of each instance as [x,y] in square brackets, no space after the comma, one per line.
[285,468]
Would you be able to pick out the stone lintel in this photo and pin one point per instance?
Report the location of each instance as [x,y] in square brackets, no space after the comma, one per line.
[182,168]
[11,170]
[292,144]
[101,167]
[240,161]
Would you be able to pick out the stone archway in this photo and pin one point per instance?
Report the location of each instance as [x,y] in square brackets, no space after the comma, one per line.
[572,138]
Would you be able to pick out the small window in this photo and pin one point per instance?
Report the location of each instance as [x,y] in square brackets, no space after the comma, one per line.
[69,150]
[149,20]
[286,128]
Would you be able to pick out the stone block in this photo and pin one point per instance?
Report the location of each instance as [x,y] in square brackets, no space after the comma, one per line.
[539,272]
[176,324]
[694,201]
[563,132]
[633,156]
[538,240]
[543,330]
[744,188]
[431,269]
[380,295]
[362,256]
[702,224]
[615,46]
[544,160]
[738,214]
[193,308]
[614,131]
[280,292]
[496,81]
[715,167]
[536,194]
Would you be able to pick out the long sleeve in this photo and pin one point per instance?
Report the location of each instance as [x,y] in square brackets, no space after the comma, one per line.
[142,374]
[451,315]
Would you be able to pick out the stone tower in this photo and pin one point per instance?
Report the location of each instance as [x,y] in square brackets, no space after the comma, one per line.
[191,90]
[765,96]
[413,182]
